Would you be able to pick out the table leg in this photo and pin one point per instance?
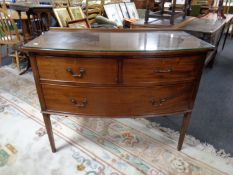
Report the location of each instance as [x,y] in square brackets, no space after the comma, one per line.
[211,61]
[29,23]
[147,11]
[226,35]
[189,9]
[49,20]
[217,44]
[184,126]
[49,129]
[26,35]
[27,68]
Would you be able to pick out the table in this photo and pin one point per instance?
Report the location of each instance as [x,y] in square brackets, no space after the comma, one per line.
[210,29]
[162,23]
[117,73]
[35,10]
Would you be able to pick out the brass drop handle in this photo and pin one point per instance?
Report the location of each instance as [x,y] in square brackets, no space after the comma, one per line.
[81,104]
[167,70]
[157,103]
[81,72]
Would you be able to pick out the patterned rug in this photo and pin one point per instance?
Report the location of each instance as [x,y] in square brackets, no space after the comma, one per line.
[91,146]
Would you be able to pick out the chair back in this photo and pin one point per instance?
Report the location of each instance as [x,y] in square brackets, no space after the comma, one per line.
[8,30]
[93,9]
[3,5]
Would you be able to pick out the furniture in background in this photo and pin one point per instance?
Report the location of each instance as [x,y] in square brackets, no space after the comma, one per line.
[178,23]
[220,12]
[228,9]
[72,17]
[228,26]
[196,10]
[231,27]
[23,22]
[92,10]
[97,73]
[79,23]
[210,29]
[62,16]
[9,36]
[205,6]
[38,24]
[161,13]
[41,20]
[120,13]
[76,13]
[140,4]
[3,5]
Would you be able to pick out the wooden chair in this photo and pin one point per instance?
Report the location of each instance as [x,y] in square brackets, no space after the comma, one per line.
[9,36]
[92,10]
[3,5]
[157,10]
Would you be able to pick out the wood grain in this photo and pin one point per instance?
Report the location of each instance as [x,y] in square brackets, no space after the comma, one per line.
[118,101]
[161,71]
[96,70]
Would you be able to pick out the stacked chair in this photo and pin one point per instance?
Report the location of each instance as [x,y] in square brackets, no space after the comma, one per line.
[92,10]
[89,12]
[9,36]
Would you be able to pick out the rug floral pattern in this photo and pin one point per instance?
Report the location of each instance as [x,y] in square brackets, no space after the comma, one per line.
[91,146]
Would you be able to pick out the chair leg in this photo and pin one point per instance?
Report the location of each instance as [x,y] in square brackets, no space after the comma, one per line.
[17,59]
[7,50]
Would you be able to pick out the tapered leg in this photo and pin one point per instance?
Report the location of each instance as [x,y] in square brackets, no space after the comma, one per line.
[185,123]
[49,129]
[17,60]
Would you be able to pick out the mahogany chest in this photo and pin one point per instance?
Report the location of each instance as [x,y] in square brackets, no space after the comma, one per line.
[117,73]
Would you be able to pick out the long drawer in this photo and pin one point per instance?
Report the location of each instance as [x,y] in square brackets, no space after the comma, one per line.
[161,70]
[118,101]
[92,70]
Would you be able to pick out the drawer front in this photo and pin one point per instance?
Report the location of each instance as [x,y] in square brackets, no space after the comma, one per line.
[118,101]
[98,71]
[164,70]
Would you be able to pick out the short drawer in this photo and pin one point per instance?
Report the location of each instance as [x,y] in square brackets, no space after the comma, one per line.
[164,70]
[97,71]
[118,101]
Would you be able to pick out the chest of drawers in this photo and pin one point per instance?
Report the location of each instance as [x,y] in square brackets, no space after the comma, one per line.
[97,74]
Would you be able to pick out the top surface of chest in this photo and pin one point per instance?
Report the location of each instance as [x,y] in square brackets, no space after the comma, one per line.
[83,41]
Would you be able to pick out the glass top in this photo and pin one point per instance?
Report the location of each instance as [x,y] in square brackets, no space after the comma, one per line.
[103,41]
